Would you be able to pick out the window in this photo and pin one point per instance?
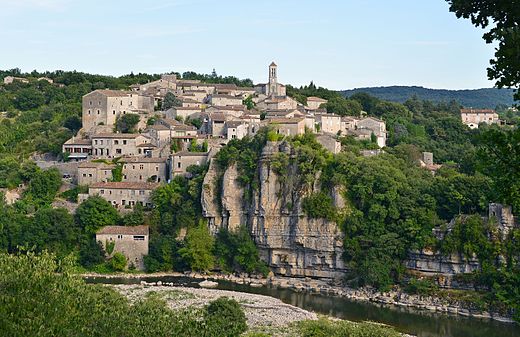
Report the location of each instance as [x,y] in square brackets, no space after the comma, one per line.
[141,167]
[90,103]
[89,111]
[98,112]
[141,192]
[124,142]
[113,112]
[90,175]
[140,177]
[139,237]
[156,168]
[99,103]
[123,202]
[118,151]
[101,141]
[95,142]
[102,192]
[84,174]
[116,142]
[121,102]
[179,165]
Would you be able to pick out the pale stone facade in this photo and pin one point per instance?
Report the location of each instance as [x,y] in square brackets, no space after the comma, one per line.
[224,100]
[314,103]
[182,160]
[77,148]
[103,107]
[122,194]
[473,117]
[11,79]
[94,172]
[329,123]
[141,169]
[288,126]
[183,112]
[131,241]
[236,129]
[114,145]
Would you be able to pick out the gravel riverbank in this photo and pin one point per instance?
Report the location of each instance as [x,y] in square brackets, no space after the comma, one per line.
[261,311]
[394,297]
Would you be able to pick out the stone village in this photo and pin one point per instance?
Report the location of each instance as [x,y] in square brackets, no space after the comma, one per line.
[166,143]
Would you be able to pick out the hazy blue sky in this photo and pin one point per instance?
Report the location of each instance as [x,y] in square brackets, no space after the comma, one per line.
[339,44]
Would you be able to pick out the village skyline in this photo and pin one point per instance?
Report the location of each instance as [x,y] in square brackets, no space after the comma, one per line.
[338,46]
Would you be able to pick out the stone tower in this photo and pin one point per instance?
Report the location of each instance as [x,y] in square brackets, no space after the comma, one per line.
[273,82]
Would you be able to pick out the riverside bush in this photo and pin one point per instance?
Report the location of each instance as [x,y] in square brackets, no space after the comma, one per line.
[39,296]
[326,328]
[224,318]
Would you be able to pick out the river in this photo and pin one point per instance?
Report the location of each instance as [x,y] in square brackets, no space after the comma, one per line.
[415,322]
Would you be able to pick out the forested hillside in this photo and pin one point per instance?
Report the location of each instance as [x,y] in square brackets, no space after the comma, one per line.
[477,98]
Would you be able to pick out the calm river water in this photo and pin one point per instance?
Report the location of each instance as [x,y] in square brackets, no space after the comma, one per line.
[419,323]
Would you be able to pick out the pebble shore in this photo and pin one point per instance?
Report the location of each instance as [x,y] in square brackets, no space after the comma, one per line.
[261,311]
[394,297]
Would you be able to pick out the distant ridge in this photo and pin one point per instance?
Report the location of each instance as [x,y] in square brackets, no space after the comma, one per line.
[476,98]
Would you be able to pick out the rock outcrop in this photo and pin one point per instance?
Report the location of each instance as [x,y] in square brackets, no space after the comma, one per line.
[291,243]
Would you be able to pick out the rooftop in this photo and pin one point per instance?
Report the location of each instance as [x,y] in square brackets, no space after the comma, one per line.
[125,230]
[123,185]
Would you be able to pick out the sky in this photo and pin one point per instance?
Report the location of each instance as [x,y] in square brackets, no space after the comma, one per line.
[338,44]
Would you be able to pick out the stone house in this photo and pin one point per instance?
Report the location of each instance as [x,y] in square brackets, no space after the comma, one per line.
[229,110]
[225,88]
[183,159]
[223,100]
[278,103]
[314,103]
[244,92]
[94,172]
[131,241]
[103,107]
[281,113]
[377,126]
[112,145]
[77,148]
[159,133]
[348,123]
[142,169]
[473,117]
[288,126]
[122,194]
[236,129]
[329,123]
[48,80]
[190,103]
[11,79]
[183,112]
[196,95]
[329,142]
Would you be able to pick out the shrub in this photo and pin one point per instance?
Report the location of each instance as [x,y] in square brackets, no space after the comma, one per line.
[225,317]
[118,262]
[326,328]
[319,205]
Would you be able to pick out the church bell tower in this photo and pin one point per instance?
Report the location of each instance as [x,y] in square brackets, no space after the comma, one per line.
[273,82]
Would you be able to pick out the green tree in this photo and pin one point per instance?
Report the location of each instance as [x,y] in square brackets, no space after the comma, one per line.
[43,187]
[225,318]
[343,107]
[118,262]
[95,213]
[29,98]
[248,102]
[504,18]
[127,123]
[170,101]
[198,249]
[499,155]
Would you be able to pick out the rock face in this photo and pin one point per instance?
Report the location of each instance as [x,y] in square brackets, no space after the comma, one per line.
[291,243]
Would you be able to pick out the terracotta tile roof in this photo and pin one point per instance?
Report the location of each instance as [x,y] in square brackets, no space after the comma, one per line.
[477,111]
[114,93]
[186,108]
[123,185]
[316,99]
[78,142]
[191,154]
[92,164]
[285,120]
[142,160]
[116,135]
[125,230]
[158,127]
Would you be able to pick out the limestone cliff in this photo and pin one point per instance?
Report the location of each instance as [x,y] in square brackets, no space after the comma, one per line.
[291,243]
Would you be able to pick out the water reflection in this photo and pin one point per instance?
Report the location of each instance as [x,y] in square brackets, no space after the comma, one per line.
[420,323]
